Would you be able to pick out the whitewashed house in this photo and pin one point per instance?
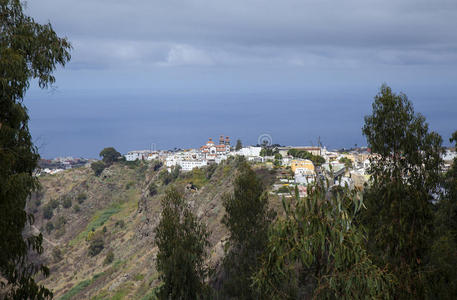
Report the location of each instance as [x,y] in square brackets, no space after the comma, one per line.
[137,154]
[304,176]
[189,165]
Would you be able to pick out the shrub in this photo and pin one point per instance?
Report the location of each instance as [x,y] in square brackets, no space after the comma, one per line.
[57,254]
[76,208]
[157,165]
[210,170]
[96,246]
[90,236]
[60,222]
[109,258]
[54,203]
[60,232]
[129,185]
[37,202]
[152,189]
[165,177]
[81,197]
[98,167]
[120,224]
[47,212]
[49,227]
[66,202]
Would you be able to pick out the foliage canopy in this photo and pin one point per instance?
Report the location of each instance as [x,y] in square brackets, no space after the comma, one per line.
[28,50]
[247,218]
[182,241]
[405,174]
[318,250]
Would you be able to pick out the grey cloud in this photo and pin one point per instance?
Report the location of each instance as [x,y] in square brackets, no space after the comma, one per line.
[290,32]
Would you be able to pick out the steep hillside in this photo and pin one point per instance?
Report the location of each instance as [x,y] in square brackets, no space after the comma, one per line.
[80,214]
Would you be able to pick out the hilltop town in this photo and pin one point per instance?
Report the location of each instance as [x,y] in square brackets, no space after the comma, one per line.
[298,165]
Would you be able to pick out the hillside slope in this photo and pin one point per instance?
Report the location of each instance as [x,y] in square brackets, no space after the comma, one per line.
[117,209]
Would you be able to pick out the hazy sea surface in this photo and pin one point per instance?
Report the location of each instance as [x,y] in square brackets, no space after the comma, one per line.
[81,123]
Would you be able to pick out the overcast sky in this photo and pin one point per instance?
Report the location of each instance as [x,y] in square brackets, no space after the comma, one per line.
[176,72]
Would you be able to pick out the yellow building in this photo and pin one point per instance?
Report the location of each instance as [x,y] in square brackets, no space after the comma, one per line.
[301,163]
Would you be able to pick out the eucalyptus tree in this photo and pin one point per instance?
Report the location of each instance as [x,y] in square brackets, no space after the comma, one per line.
[405,175]
[182,240]
[247,218]
[317,250]
[28,50]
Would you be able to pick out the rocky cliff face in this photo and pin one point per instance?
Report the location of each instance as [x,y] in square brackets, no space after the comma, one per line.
[99,231]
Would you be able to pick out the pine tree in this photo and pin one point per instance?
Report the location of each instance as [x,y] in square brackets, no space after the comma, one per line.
[239,145]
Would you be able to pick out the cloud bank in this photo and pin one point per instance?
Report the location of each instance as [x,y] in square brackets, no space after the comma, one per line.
[320,33]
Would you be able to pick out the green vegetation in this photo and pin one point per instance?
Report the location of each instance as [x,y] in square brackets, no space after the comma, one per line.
[120,224]
[120,294]
[346,161]
[197,178]
[49,227]
[60,222]
[247,218]
[76,289]
[57,254]
[66,202]
[109,258]
[54,203]
[48,211]
[152,188]
[110,155]
[318,251]
[29,53]
[96,245]
[182,242]
[79,287]
[168,177]
[210,171]
[316,159]
[81,197]
[98,167]
[268,151]
[98,220]
[239,145]
[404,176]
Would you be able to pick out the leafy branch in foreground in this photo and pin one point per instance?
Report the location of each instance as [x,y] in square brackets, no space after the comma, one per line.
[318,250]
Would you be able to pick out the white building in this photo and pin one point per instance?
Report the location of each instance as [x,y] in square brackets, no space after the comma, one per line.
[212,152]
[152,156]
[449,155]
[137,154]
[249,151]
[304,176]
[188,165]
